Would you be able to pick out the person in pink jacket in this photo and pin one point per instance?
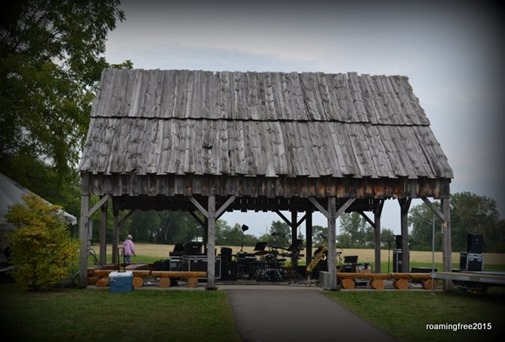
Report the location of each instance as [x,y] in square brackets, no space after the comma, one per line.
[129,249]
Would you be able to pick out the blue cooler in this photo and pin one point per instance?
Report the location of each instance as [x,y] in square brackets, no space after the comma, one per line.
[121,281]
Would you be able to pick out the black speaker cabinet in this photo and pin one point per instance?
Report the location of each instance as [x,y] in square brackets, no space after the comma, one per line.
[229,270]
[199,263]
[398,241]
[474,244]
[226,254]
[471,262]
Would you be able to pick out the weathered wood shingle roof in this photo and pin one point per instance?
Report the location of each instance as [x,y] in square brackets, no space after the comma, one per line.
[260,124]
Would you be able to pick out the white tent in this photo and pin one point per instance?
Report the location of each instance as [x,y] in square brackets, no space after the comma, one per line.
[12,193]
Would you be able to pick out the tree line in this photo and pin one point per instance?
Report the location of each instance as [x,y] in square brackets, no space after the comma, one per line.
[470,214]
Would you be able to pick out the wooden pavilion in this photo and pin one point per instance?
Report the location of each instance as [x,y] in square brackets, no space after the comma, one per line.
[270,141]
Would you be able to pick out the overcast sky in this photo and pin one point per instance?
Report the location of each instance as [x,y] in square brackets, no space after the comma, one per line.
[452,52]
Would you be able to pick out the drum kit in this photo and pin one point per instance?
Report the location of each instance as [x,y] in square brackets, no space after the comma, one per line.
[265,263]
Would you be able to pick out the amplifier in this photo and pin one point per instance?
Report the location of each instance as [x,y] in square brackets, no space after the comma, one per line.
[175,263]
[471,262]
[199,263]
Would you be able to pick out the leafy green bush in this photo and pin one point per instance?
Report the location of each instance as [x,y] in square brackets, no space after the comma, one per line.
[42,249]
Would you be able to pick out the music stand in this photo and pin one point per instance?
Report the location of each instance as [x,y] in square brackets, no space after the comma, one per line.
[350,262]
[260,246]
[351,259]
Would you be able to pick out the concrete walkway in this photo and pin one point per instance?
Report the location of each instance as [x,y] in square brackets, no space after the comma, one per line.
[295,314]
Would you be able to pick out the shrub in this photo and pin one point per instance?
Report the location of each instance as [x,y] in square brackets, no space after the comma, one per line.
[42,249]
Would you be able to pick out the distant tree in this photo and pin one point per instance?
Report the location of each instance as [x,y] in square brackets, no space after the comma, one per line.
[50,64]
[319,235]
[344,240]
[421,220]
[234,236]
[387,238]
[179,227]
[42,249]
[470,214]
[356,232]
[146,226]
[473,214]
[281,233]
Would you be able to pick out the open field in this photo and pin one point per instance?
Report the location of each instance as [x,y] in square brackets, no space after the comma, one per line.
[364,255]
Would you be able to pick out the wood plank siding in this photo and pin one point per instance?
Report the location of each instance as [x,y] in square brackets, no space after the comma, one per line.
[272,135]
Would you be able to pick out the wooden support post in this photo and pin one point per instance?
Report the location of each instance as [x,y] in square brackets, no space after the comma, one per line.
[332,255]
[308,234]
[211,214]
[115,231]
[83,231]
[206,233]
[377,218]
[294,236]
[446,241]
[211,243]
[103,234]
[404,211]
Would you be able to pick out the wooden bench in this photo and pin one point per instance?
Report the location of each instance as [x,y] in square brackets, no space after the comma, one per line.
[400,280]
[100,278]
[191,277]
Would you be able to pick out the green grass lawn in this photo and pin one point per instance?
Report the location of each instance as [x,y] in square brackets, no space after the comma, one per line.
[406,314]
[98,315]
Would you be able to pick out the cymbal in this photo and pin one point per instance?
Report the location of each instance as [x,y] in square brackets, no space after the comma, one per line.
[261,253]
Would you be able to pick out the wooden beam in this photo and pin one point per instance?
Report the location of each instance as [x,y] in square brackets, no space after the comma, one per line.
[344,207]
[198,219]
[124,218]
[284,218]
[98,204]
[115,230]
[319,206]
[301,221]
[433,208]
[103,233]
[404,211]
[372,223]
[211,243]
[178,274]
[225,205]
[377,235]
[294,236]
[378,206]
[83,231]
[446,240]
[332,253]
[308,236]
[199,206]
